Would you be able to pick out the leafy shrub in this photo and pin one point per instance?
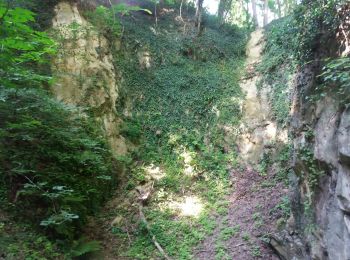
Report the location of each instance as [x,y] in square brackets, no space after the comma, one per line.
[106,21]
[22,48]
[51,158]
[336,79]
[132,130]
[294,41]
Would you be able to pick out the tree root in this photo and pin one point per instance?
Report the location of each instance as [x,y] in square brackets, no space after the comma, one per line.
[154,240]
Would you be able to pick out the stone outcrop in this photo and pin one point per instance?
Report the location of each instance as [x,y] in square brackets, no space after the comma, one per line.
[320,224]
[84,72]
[258,129]
[320,184]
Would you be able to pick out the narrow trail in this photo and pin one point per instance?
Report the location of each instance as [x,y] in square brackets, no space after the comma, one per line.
[240,233]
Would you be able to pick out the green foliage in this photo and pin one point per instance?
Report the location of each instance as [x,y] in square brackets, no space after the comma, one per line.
[19,242]
[313,22]
[246,236]
[277,67]
[336,78]
[283,208]
[229,232]
[22,48]
[82,246]
[43,9]
[255,251]
[166,232]
[132,130]
[295,37]
[221,251]
[107,21]
[302,38]
[258,220]
[283,160]
[265,162]
[51,158]
[292,41]
[311,171]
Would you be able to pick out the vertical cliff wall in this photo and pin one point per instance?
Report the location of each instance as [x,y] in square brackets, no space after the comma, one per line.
[320,184]
[84,71]
[321,134]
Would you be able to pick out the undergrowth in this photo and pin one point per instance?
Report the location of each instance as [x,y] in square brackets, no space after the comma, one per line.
[53,158]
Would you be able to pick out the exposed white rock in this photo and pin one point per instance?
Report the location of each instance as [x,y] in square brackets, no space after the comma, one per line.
[84,71]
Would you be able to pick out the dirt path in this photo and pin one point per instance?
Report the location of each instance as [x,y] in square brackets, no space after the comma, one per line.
[240,234]
[249,214]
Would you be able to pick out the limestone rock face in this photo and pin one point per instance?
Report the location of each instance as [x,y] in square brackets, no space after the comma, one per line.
[320,211]
[326,232]
[84,71]
[258,129]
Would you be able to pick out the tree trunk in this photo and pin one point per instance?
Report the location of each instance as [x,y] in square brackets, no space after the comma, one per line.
[182,2]
[199,10]
[247,11]
[255,14]
[266,13]
[279,12]
[199,5]
[289,5]
[221,9]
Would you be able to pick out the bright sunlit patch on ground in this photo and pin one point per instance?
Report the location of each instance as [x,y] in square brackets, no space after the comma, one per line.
[271,131]
[187,206]
[188,159]
[216,111]
[191,207]
[155,172]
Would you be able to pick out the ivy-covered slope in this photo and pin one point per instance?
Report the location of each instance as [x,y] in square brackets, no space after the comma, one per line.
[180,101]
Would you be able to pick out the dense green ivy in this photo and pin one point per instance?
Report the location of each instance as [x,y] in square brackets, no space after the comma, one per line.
[278,65]
[52,157]
[182,102]
[295,41]
[336,79]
